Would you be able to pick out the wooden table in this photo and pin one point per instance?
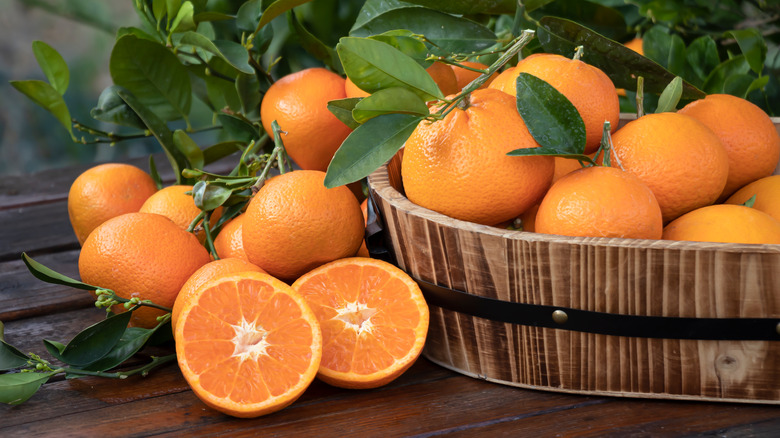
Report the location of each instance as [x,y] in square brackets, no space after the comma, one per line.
[428,400]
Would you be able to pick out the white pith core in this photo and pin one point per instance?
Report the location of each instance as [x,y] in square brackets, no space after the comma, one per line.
[249,340]
[357,316]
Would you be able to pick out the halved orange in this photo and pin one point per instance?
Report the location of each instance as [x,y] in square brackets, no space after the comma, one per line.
[374,320]
[247,344]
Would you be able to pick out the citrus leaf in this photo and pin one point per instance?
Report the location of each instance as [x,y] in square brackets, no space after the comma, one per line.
[666,49]
[48,275]
[238,128]
[248,15]
[389,100]
[670,97]
[221,150]
[621,64]
[202,17]
[132,340]
[406,42]
[368,147]
[235,57]
[94,342]
[248,90]
[139,33]
[716,81]
[702,56]
[752,45]
[189,148]
[602,19]
[342,109]
[154,174]
[209,196]
[471,7]
[276,9]
[48,98]
[313,45]
[111,108]
[184,20]
[447,33]
[373,65]
[549,116]
[53,66]
[17,388]
[153,74]
[11,357]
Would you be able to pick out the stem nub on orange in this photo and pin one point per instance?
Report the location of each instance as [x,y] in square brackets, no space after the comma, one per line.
[458,166]
[724,223]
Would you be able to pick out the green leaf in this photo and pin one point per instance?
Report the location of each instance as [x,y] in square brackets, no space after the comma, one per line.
[532,5]
[17,388]
[160,131]
[138,33]
[373,65]
[53,66]
[132,340]
[189,148]
[602,19]
[406,42]
[184,20]
[702,56]
[750,202]
[342,109]
[208,16]
[670,97]
[471,7]
[238,128]
[368,147]
[48,98]
[221,150]
[248,90]
[313,45]
[94,342]
[550,117]
[11,357]
[154,174]
[716,81]
[389,100]
[248,15]
[752,45]
[48,275]
[276,9]
[111,108]
[209,196]
[621,64]
[448,33]
[741,84]
[153,74]
[666,49]
[233,54]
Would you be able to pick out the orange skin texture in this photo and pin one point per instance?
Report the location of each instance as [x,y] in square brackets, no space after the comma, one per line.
[299,104]
[465,76]
[374,320]
[458,166]
[746,131]
[106,191]
[229,242]
[588,88]
[210,271]
[174,203]
[294,224]
[681,160]
[232,335]
[600,202]
[724,223]
[767,192]
[141,255]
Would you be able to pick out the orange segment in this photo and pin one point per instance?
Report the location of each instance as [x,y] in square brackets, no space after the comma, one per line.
[374,320]
[247,344]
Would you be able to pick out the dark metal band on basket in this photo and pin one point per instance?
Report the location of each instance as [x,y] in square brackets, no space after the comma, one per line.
[746,329]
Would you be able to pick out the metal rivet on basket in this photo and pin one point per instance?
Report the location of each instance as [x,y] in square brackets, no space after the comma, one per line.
[560,317]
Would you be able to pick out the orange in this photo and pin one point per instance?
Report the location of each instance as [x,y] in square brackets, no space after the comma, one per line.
[229,242]
[141,255]
[600,201]
[352,90]
[444,77]
[374,320]
[724,223]
[247,344]
[175,203]
[681,160]
[528,219]
[299,104]
[294,224]
[588,88]
[636,45]
[564,166]
[746,131]
[206,273]
[105,191]
[767,193]
[458,166]
[363,251]
[466,76]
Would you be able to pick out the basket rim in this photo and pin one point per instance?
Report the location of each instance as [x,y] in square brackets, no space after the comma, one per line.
[379,182]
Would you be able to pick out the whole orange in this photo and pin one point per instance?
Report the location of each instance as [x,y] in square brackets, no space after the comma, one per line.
[141,255]
[298,102]
[229,242]
[175,203]
[465,76]
[767,193]
[600,201]
[746,131]
[105,191]
[206,273]
[681,160]
[294,224]
[725,223]
[587,87]
[458,166]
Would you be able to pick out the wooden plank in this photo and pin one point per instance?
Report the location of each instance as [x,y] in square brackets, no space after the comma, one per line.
[36,229]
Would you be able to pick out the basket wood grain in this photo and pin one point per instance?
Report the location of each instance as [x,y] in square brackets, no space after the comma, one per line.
[624,276]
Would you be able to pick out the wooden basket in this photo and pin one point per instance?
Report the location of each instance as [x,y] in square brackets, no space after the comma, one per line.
[647,283]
